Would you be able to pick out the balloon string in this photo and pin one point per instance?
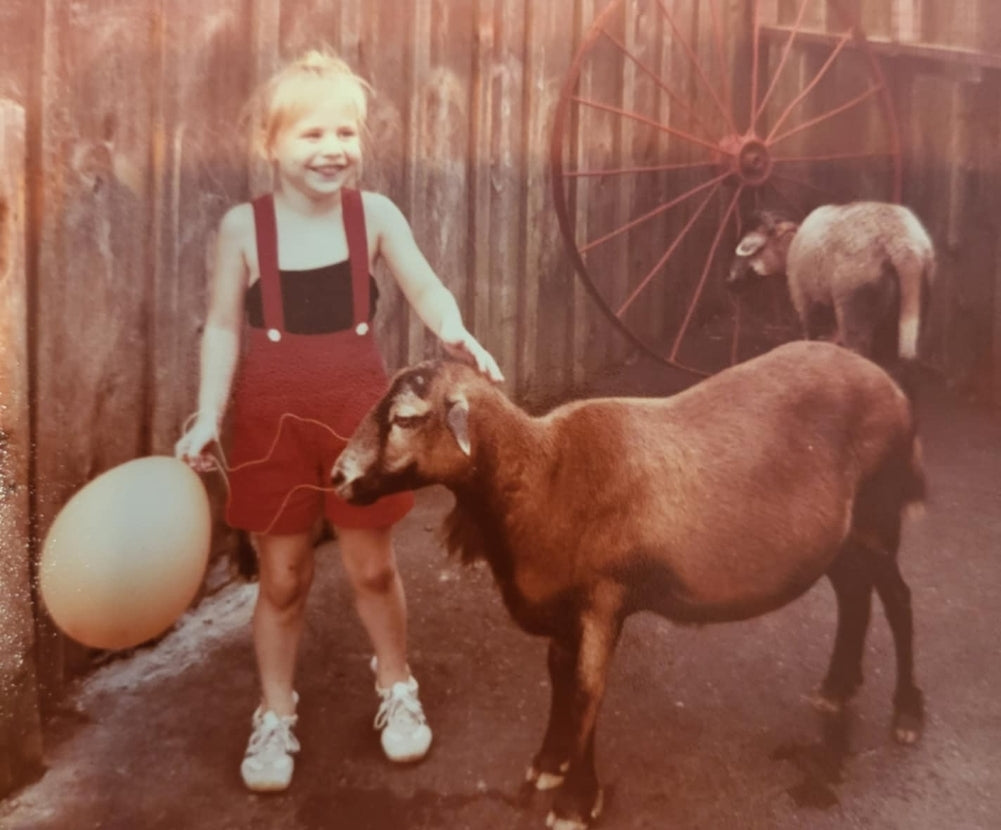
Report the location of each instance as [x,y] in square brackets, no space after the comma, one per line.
[224,469]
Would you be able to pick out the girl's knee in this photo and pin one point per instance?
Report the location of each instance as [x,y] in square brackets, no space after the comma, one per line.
[378,579]
[286,571]
[286,588]
[369,560]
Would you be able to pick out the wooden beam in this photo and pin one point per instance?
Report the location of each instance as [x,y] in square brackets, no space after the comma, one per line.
[20,729]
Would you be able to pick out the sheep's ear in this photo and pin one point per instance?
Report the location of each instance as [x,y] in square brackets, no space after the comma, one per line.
[457,418]
[751,244]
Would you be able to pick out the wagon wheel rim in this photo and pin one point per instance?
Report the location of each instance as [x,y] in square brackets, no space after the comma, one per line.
[770,147]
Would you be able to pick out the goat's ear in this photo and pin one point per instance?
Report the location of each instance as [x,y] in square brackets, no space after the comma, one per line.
[457,418]
[752,243]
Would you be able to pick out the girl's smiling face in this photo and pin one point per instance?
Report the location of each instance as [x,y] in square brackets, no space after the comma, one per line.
[319,152]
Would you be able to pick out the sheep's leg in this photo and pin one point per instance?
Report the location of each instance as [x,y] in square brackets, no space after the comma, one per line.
[852,580]
[908,702]
[550,763]
[579,800]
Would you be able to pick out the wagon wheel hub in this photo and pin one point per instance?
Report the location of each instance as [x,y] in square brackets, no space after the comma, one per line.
[748,158]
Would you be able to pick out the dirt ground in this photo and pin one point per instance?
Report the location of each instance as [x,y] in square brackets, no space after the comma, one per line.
[701,727]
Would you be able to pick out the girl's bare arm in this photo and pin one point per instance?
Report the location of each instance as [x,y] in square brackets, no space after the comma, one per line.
[430,299]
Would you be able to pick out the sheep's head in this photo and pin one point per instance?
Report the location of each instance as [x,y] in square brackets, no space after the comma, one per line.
[418,434]
[762,250]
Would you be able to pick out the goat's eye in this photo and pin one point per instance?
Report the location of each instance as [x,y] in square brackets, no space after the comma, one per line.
[408,421]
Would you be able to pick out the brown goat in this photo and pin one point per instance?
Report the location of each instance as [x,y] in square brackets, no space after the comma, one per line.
[720,503]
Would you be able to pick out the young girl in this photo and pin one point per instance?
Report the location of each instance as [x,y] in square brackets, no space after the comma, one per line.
[292,271]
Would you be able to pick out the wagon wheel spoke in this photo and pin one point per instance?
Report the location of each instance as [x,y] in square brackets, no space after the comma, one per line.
[642,119]
[667,254]
[705,272]
[825,116]
[675,98]
[809,87]
[786,50]
[650,215]
[696,64]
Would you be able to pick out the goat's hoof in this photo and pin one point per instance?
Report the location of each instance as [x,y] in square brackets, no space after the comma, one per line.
[556,823]
[908,716]
[906,734]
[543,780]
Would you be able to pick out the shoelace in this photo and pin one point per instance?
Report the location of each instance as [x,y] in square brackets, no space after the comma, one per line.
[399,704]
[276,736]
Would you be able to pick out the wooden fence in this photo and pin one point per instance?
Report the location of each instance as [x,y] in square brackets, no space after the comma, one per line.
[119,151]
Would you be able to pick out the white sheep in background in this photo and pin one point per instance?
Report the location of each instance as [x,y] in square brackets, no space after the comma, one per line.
[864,268]
[720,503]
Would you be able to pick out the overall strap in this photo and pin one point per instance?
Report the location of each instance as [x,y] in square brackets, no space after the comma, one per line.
[354,227]
[266,229]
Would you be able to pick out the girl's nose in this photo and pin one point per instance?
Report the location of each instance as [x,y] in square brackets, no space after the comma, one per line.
[332,146]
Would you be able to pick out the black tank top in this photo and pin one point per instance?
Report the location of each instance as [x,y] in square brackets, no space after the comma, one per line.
[315,300]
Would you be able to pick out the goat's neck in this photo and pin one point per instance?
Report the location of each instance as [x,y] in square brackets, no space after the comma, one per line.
[509,446]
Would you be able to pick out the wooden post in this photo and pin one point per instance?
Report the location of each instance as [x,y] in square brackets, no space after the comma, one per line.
[905,21]
[20,728]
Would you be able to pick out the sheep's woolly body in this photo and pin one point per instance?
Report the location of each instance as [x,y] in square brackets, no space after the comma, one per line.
[839,250]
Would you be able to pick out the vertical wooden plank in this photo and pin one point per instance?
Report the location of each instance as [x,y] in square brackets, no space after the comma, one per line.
[93,285]
[905,21]
[497,182]
[199,169]
[481,127]
[438,138]
[20,728]
[550,281]
[988,26]
[385,60]
[418,168]
[584,157]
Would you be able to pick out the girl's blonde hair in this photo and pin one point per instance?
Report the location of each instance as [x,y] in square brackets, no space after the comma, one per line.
[294,90]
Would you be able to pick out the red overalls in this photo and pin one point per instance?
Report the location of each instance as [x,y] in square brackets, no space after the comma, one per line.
[334,378]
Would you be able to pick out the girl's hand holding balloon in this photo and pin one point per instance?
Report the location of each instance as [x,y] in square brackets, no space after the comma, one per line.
[192,447]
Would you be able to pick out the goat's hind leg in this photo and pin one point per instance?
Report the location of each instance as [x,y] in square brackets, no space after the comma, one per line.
[908,701]
[851,577]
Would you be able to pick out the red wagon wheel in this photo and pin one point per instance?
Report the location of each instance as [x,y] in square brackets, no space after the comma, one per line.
[676,119]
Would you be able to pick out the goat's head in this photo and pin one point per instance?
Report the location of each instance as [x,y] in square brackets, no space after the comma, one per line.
[762,250]
[418,434]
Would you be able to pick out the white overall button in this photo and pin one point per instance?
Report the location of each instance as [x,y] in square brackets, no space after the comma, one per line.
[361,329]
[274,335]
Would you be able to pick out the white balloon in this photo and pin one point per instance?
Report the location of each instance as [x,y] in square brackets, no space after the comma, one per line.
[127,553]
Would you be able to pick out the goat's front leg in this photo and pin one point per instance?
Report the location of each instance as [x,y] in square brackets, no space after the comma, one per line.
[579,799]
[550,763]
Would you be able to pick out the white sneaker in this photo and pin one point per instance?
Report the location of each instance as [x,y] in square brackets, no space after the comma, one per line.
[267,764]
[406,735]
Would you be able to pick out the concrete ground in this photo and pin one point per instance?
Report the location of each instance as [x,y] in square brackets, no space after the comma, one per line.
[701,728]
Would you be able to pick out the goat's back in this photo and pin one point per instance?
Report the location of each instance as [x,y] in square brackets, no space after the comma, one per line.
[743,484]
